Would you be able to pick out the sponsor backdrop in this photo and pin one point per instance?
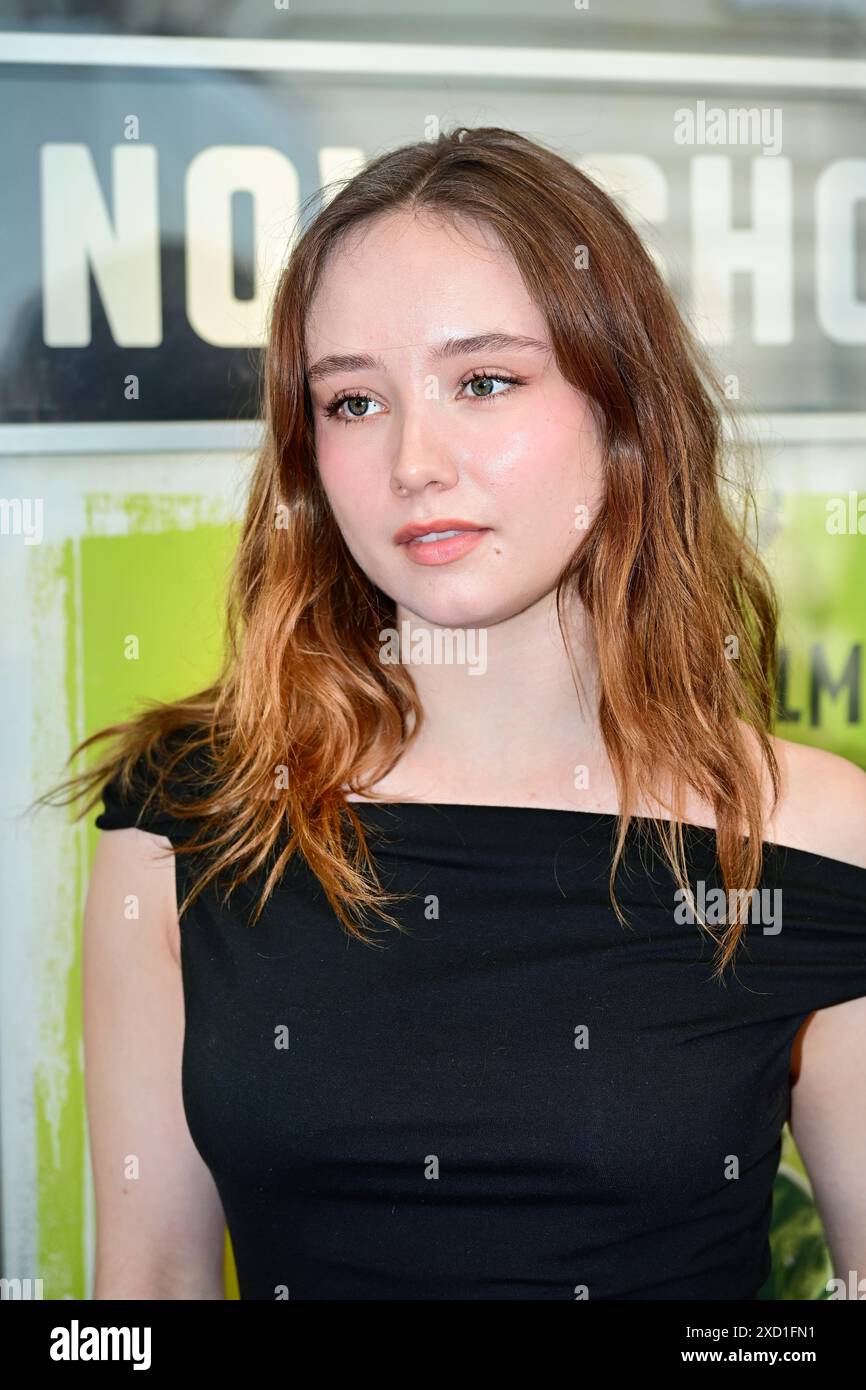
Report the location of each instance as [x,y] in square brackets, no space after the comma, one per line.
[152,185]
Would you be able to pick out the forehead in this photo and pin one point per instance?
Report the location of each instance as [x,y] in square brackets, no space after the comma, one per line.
[404,280]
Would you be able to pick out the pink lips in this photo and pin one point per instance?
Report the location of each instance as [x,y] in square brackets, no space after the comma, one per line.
[443,552]
[439,552]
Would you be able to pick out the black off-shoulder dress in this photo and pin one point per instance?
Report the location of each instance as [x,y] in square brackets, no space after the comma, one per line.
[519,1098]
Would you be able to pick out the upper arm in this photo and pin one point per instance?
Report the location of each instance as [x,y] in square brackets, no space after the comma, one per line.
[160,1223]
[828,1122]
[823,811]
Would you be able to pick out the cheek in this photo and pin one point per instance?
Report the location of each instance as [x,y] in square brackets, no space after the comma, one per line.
[540,475]
[343,484]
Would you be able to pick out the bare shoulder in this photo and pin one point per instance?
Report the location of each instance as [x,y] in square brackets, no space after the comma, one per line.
[822,803]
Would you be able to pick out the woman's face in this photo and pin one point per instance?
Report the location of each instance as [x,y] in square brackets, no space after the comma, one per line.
[405,435]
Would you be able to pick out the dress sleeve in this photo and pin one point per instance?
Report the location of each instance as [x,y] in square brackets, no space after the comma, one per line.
[132,807]
[820,948]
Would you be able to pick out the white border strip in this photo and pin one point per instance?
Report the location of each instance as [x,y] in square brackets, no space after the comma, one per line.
[809,426]
[110,437]
[239,436]
[412,60]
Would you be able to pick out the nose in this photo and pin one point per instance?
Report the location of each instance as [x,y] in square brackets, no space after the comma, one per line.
[422,455]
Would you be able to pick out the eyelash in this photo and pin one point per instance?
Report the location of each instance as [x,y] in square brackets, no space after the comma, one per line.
[330,411]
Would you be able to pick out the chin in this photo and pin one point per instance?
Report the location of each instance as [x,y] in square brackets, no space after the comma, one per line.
[459,610]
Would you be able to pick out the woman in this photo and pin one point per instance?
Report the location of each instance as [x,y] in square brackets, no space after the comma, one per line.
[415,969]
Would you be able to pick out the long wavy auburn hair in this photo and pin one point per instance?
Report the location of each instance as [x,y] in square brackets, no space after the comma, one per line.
[681,609]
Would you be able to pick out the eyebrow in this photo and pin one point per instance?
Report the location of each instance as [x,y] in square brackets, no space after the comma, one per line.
[451,347]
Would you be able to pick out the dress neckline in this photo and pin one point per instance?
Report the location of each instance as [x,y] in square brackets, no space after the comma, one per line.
[690,827]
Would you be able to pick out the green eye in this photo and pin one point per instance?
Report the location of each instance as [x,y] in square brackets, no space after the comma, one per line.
[350,399]
[485,378]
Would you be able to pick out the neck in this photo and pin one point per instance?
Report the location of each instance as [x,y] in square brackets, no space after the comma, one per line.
[507,715]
